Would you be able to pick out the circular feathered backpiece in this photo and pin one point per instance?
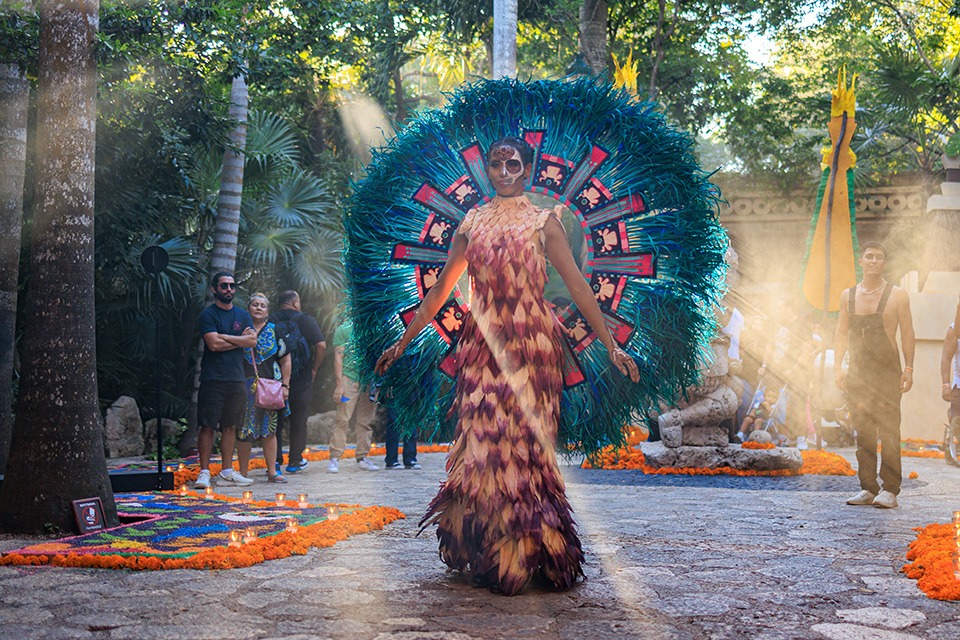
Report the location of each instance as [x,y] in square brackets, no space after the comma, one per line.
[651,246]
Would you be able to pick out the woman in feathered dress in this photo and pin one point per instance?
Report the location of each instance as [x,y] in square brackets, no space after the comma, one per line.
[502,514]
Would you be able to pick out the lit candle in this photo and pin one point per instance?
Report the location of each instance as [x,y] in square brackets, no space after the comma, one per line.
[209,493]
[302,501]
[281,499]
[235,539]
[183,489]
[291,525]
[169,468]
[181,467]
[250,535]
[247,496]
[332,513]
[306,450]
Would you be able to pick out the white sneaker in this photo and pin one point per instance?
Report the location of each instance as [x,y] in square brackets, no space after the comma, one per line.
[801,443]
[885,500]
[232,477]
[333,467]
[203,480]
[366,465]
[862,498]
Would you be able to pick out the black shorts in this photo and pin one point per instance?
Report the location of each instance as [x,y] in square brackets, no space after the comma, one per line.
[221,404]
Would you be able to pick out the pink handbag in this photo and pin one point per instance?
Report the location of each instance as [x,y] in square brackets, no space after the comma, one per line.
[267,393]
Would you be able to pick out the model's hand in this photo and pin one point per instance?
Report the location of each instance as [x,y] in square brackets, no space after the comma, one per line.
[390,355]
[622,361]
[947,392]
[337,392]
[840,379]
[286,392]
[906,381]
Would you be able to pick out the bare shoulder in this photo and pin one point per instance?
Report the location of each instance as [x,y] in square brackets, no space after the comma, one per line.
[899,295]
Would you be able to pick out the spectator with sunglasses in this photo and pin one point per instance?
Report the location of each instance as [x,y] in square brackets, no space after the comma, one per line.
[226,331]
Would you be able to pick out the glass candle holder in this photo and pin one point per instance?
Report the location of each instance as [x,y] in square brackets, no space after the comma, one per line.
[281,499]
[183,489]
[208,494]
[302,501]
[235,539]
[333,513]
[247,497]
[306,450]
[291,525]
[249,535]
[181,467]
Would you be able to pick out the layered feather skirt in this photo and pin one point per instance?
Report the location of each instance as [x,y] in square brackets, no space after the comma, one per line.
[502,515]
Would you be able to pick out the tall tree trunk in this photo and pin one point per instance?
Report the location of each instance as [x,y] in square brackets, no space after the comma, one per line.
[56,455]
[504,38]
[593,35]
[227,228]
[14,98]
[224,256]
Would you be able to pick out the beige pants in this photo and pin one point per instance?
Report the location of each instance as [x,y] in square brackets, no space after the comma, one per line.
[359,402]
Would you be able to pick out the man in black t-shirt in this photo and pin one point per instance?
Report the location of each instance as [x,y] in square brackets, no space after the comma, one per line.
[226,331]
[307,346]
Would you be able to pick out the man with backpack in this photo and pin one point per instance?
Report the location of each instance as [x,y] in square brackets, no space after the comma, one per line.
[307,346]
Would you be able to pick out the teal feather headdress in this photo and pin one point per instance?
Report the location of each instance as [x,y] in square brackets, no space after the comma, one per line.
[647,212]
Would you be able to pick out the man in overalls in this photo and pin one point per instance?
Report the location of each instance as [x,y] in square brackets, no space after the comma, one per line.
[870,314]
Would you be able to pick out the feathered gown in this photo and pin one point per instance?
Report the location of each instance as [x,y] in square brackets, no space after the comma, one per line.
[502,514]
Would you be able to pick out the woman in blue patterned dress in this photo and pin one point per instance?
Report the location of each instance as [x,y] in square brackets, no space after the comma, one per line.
[272,360]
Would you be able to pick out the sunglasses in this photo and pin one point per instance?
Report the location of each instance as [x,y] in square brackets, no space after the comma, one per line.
[224,286]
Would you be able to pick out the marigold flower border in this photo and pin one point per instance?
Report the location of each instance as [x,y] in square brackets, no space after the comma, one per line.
[824,463]
[282,545]
[931,561]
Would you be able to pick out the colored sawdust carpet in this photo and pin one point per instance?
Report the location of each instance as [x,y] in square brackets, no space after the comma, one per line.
[169,530]
[933,561]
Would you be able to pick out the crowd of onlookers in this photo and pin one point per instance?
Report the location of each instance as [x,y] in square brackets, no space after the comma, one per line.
[257,378]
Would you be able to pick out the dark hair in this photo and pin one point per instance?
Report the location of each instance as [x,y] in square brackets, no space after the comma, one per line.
[873,244]
[522,147]
[286,297]
[215,280]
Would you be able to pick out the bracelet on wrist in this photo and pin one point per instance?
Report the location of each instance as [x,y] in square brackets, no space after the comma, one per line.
[910,369]
[945,385]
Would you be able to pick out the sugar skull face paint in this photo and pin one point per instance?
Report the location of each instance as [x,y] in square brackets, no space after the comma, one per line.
[505,168]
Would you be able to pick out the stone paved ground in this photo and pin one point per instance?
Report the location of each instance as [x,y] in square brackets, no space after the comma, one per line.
[667,558]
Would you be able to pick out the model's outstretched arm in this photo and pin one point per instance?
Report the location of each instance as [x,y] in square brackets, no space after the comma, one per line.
[558,251]
[435,298]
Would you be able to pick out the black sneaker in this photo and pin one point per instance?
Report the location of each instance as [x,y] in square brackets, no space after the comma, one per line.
[415,465]
[394,465]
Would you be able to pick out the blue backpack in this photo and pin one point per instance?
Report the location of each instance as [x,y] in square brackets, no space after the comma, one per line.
[297,345]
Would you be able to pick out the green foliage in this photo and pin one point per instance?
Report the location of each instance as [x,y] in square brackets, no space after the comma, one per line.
[19,34]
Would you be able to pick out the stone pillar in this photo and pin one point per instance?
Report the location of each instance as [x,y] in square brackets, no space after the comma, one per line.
[943,222]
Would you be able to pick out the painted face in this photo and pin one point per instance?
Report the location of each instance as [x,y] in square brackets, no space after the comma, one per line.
[506,167]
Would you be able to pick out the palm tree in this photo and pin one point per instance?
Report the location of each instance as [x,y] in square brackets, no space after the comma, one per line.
[14,96]
[224,256]
[593,35]
[504,38]
[57,448]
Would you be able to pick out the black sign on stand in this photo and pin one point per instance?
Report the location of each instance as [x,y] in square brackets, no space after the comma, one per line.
[154,260]
[89,514]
